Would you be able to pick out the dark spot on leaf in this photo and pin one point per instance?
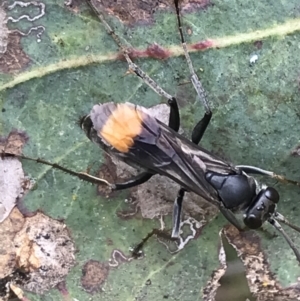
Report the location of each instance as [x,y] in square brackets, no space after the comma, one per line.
[296,151]
[14,58]
[94,273]
[153,51]
[47,236]
[202,45]
[109,241]
[14,142]
[258,44]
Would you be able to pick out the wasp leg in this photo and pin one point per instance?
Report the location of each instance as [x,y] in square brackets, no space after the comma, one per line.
[194,78]
[200,128]
[230,217]
[279,217]
[278,227]
[256,170]
[259,171]
[177,212]
[137,180]
[133,68]
[174,123]
[174,118]
[81,175]
[137,250]
[134,181]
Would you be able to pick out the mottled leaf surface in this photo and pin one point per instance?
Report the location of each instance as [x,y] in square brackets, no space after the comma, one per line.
[54,75]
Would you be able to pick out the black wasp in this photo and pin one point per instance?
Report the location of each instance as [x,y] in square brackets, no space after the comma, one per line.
[131,134]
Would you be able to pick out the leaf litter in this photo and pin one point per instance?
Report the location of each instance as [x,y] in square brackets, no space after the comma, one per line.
[36,251]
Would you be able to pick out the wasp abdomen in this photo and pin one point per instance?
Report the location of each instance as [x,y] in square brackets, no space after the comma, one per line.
[120,125]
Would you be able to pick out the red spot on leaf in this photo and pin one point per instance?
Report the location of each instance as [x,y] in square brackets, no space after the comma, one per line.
[157,52]
[203,45]
[153,51]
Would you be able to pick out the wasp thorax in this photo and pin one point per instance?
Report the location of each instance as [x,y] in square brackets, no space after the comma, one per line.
[235,190]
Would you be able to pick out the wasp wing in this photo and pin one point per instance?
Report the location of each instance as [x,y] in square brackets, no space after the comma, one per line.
[161,150]
[134,136]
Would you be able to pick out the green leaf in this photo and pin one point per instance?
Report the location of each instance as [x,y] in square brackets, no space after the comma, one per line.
[46,86]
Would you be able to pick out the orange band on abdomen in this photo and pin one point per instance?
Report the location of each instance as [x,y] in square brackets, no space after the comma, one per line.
[122,126]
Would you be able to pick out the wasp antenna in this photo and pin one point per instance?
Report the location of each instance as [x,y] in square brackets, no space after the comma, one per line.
[278,227]
[279,217]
